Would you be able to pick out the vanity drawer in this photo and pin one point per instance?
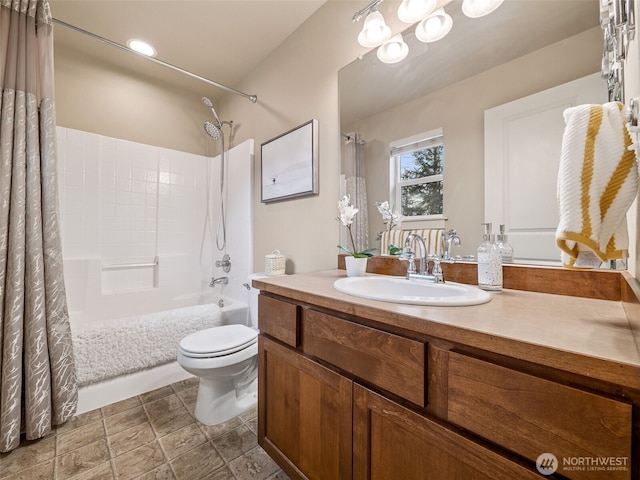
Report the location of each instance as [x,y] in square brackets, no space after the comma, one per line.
[530,416]
[280,320]
[389,361]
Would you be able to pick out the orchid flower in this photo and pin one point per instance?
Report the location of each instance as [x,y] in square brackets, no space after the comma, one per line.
[346,214]
[346,211]
[389,216]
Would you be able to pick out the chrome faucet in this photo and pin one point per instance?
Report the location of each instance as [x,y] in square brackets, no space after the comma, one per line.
[408,254]
[435,275]
[219,281]
[451,238]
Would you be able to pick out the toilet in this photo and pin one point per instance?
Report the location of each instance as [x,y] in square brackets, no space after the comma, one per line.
[225,358]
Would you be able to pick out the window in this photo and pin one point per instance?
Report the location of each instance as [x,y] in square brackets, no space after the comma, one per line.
[417,181]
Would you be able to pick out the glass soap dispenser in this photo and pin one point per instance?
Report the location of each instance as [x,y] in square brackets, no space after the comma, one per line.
[506,250]
[489,262]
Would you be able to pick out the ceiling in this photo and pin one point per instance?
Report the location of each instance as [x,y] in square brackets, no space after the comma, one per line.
[221,40]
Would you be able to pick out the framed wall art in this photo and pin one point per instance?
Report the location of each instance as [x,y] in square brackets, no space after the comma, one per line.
[290,164]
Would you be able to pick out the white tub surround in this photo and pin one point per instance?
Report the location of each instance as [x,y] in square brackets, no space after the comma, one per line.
[138,235]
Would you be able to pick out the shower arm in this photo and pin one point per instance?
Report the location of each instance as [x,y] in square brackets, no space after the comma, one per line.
[253,98]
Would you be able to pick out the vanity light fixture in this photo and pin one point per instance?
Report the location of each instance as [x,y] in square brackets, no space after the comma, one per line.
[412,11]
[434,27]
[393,50]
[141,47]
[479,8]
[375,31]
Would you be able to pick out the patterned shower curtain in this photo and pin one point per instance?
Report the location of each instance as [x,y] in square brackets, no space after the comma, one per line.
[37,377]
[356,188]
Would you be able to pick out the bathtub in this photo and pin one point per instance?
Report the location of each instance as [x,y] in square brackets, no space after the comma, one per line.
[160,372]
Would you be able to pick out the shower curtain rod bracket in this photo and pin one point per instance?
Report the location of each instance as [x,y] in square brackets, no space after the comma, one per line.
[252,98]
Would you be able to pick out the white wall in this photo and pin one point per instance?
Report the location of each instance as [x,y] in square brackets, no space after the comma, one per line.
[133,222]
[296,83]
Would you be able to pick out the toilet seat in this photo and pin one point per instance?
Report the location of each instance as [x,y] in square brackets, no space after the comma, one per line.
[218,341]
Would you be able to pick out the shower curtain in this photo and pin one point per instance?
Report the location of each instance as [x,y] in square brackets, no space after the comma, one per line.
[37,376]
[356,188]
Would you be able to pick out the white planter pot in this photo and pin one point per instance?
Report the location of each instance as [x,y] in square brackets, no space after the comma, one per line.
[356,267]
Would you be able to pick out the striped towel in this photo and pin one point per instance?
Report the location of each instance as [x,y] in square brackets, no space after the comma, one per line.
[597,183]
[433,239]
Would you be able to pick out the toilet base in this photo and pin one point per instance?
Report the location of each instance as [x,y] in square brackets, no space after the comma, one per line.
[219,401]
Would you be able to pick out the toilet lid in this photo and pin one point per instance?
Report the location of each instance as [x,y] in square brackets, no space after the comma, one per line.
[218,341]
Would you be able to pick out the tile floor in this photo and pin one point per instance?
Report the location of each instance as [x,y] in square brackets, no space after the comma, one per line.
[150,436]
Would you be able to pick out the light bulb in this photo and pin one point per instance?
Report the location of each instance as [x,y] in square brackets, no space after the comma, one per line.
[479,8]
[394,50]
[374,31]
[412,11]
[141,47]
[434,27]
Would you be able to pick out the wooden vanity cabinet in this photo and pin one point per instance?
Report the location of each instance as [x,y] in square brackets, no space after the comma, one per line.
[339,399]
[393,442]
[305,419]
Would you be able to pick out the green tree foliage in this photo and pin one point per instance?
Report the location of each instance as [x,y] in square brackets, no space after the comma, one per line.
[422,198]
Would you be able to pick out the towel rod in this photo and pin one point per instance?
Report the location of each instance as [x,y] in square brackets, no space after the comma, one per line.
[253,98]
[633,111]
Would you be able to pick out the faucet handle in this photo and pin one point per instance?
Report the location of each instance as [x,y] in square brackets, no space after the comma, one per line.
[408,255]
[436,271]
[225,263]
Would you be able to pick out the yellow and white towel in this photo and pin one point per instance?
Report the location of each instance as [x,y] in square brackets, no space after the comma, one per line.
[597,182]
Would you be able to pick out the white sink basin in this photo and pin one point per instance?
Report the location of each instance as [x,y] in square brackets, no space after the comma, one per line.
[416,292]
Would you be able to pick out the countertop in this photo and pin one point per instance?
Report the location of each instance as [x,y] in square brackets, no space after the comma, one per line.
[581,335]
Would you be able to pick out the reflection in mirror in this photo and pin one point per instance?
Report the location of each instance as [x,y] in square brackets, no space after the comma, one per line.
[522,48]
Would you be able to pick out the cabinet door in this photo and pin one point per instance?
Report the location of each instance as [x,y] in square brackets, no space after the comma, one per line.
[390,441]
[304,414]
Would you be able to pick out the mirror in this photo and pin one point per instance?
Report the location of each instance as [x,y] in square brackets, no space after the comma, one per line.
[522,48]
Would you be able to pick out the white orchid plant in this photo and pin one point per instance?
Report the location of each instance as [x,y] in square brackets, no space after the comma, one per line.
[390,218]
[346,214]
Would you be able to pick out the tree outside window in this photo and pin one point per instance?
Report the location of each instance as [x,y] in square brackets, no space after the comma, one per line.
[419,179]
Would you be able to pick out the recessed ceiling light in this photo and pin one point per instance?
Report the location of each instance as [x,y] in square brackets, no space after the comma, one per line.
[141,47]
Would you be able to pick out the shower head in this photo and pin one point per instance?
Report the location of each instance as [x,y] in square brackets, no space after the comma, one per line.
[212,130]
[209,104]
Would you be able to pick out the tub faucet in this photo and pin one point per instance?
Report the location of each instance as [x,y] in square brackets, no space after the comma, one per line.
[218,281]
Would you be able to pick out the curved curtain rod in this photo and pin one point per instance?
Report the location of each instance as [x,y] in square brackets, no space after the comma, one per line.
[253,98]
